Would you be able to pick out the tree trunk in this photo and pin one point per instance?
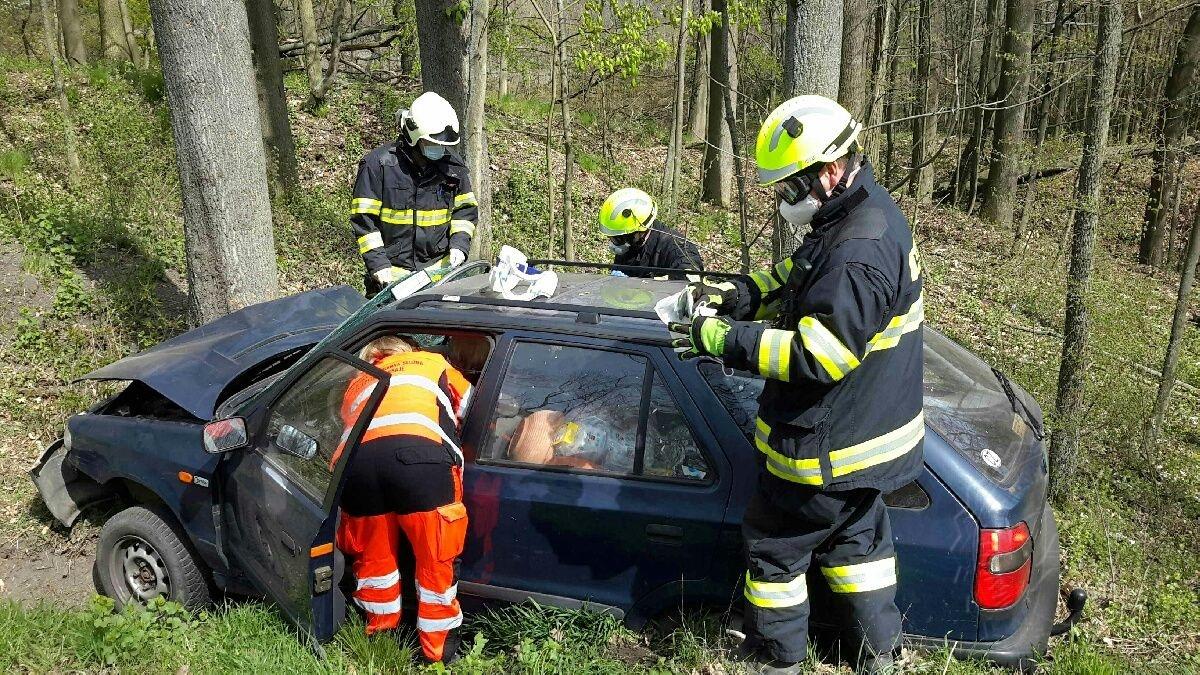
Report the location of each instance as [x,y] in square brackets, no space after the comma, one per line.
[312,44]
[925,127]
[885,18]
[272,103]
[718,148]
[113,44]
[974,152]
[50,36]
[72,34]
[1064,442]
[206,63]
[131,45]
[454,64]
[502,68]
[698,110]
[1001,188]
[812,48]
[889,109]
[852,76]
[1171,124]
[1175,342]
[670,189]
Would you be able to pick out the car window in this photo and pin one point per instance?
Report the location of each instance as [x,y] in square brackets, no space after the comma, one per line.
[307,420]
[569,407]
[738,392]
[671,449]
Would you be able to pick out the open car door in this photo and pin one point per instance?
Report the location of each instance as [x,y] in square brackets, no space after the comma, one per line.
[281,491]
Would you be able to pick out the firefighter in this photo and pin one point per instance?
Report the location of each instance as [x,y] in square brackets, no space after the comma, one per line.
[629,218]
[840,419]
[405,481]
[413,204]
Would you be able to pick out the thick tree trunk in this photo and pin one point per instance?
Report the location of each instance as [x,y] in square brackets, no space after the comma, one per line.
[1001,188]
[812,48]
[718,149]
[852,76]
[1171,124]
[1064,442]
[272,104]
[454,64]
[1175,342]
[113,43]
[974,153]
[924,127]
[50,38]
[72,34]
[698,110]
[206,62]
[312,44]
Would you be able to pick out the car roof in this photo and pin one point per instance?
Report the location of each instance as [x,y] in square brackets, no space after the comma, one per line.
[591,303]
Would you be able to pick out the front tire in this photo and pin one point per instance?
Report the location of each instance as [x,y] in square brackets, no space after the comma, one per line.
[142,555]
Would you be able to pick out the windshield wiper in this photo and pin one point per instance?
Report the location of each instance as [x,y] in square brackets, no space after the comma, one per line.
[1018,405]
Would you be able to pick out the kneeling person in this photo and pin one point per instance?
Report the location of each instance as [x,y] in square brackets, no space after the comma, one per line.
[405,479]
[629,218]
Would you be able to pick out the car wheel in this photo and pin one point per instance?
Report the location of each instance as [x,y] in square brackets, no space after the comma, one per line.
[143,555]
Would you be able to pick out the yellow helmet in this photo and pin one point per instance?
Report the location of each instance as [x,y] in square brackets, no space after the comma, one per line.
[801,132]
[625,211]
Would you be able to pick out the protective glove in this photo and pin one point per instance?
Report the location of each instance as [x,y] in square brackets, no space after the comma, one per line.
[457,257]
[387,275]
[705,337]
[719,295]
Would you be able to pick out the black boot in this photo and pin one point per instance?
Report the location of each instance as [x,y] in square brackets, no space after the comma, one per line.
[757,660]
[879,664]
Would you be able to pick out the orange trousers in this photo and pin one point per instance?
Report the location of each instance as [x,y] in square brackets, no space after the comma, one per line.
[437,539]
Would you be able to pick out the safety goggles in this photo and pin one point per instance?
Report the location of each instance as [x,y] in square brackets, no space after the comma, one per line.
[795,187]
[622,239]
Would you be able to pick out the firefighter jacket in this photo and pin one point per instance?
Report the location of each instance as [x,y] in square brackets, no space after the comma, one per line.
[408,216]
[841,408]
[663,247]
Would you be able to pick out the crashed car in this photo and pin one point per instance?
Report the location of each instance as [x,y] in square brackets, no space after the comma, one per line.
[602,471]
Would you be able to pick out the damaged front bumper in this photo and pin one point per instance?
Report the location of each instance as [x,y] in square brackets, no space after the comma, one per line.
[65,491]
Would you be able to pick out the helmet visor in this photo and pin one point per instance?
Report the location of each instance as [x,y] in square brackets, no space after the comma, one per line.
[447,136]
[795,187]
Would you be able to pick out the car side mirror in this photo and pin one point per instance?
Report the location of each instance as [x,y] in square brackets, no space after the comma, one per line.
[295,442]
[225,435]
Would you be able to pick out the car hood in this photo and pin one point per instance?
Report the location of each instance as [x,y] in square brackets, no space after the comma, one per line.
[192,369]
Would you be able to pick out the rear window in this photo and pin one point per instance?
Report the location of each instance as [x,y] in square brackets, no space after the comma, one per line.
[966,405]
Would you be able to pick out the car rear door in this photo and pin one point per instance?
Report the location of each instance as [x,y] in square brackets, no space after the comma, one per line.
[593,477]
[279,493]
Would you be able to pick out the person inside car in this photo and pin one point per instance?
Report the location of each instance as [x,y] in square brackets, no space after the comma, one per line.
[405,479]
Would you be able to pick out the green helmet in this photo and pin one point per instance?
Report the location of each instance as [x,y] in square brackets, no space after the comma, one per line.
[627,210]
[803,131]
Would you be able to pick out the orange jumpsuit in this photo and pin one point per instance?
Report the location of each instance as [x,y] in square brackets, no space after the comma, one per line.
[406,477]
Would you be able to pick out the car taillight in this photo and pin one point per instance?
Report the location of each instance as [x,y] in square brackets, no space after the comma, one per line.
[1005,558]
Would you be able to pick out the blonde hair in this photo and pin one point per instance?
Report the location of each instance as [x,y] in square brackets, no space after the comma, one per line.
[381,348]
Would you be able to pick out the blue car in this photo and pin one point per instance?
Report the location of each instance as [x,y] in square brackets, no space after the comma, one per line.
[602,471]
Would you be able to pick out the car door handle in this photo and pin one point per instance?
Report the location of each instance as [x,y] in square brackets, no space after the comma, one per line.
[289,543]
[664,534]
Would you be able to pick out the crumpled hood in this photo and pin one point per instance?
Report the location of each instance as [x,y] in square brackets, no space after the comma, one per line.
[192,369]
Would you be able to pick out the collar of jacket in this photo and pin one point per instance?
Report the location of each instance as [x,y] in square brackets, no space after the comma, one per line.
[858,191]
[407,154]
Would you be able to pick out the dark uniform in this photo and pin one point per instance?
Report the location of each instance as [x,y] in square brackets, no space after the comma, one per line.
[663,247]
[409,217]
[839,418]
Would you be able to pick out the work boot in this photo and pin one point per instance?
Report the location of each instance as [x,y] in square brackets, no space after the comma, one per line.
[760,662]
[879,664]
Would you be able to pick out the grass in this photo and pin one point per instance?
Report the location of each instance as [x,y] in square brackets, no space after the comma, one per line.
[108,261]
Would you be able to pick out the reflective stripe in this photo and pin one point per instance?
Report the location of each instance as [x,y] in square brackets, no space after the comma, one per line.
[429,386]
[465,199]
[434,598]
[775,354]
[432,217]
[369,241]
[775,595]
[464,401]
[835,357]
[365,205]
[467,226]
[384,581]
[391,607]
[397,216]
[419,420]
[359,400]
[879,449]
[900,325]
[863,577]
[804,471]
[436,625]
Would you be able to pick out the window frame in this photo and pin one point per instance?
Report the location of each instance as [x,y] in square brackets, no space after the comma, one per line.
[644,402]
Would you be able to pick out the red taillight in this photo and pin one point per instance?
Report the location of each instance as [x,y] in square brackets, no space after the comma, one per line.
[1004,563]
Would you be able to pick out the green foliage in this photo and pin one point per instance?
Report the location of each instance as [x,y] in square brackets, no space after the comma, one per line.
[135,633]
[458,11]
[519,207]
[13,163]
[625,46]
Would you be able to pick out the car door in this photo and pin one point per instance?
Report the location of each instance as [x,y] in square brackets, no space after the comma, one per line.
[279,492]
[592,477]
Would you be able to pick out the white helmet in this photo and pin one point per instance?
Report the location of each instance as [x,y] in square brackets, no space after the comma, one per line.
[431,118]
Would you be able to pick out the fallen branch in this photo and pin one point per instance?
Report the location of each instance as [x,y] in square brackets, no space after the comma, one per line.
[295,47]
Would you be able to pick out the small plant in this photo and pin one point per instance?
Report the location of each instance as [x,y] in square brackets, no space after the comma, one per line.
[125,635]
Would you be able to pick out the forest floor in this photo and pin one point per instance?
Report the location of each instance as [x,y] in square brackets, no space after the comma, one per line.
[95,274]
